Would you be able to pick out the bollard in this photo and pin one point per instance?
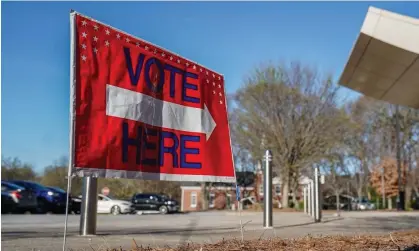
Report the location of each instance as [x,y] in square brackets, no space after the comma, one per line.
[267,193]
[312,198]
[309,198]
[305,199]
[88,207]
[318,209]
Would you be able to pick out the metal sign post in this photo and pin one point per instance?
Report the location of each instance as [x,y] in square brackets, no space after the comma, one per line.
[267,193]
[88,207]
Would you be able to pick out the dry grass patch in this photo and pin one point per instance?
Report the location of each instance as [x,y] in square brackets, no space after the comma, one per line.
[403,241]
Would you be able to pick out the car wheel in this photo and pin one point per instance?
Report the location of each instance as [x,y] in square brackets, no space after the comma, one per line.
[115,210]
[163,210]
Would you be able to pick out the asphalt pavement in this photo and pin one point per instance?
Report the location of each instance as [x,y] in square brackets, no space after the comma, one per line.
[45,232]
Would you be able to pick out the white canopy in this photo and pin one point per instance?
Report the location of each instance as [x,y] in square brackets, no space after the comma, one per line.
[384,62]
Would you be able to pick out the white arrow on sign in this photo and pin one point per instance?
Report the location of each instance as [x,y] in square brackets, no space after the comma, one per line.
[126,104]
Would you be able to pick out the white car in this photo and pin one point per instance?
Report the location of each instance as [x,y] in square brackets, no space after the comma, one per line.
[106,205]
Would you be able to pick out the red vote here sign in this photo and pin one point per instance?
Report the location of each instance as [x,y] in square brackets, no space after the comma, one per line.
[140,111]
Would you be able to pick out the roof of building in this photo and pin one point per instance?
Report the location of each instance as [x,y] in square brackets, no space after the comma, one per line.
[244,179]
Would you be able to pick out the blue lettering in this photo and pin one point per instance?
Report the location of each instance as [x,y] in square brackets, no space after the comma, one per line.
[134,72]
[143,142]
[149,146]
[173,70]
[172,149]
[186,85]
[134,76]
[127,141]
[184,150]
[148,64]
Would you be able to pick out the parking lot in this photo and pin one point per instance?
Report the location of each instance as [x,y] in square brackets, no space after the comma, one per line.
[44,232]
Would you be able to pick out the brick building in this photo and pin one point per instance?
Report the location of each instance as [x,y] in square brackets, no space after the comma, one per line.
[223,196]
[220,196]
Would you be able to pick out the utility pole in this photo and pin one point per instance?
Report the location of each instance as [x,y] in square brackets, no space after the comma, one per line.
[400,196]
[383,191]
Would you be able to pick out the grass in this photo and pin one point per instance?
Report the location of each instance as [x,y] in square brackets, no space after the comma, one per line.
[402,241]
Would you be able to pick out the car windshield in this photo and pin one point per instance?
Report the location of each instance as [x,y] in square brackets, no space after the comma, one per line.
[31,185]
[364,200]
[57,189]
[107,197]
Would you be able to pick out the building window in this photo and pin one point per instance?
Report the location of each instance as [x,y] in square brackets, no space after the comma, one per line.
[260,189]
[211,200]
[278,189]
[194,199]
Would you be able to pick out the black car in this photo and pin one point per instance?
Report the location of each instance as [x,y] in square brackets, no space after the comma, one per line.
[75,205]
[330,202]
[146,202]
[17,199]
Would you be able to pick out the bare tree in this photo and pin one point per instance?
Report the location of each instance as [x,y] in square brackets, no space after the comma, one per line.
[14,169]
[55,175]
[293,108]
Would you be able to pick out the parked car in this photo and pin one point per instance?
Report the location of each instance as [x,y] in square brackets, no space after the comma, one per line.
[106,204]
[63,194]
[75,205]
[149,202]
[415,204]
[345,202]
[363,204]
[17,199]
[47,199]
[7,203]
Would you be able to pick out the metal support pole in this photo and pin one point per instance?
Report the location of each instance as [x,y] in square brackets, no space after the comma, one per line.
[305,199]
[318,208]
[88,207]
[267,193]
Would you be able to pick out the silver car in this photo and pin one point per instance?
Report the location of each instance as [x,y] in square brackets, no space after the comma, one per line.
[363,204]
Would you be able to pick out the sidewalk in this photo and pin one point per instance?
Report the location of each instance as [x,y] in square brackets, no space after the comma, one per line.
[209,229]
